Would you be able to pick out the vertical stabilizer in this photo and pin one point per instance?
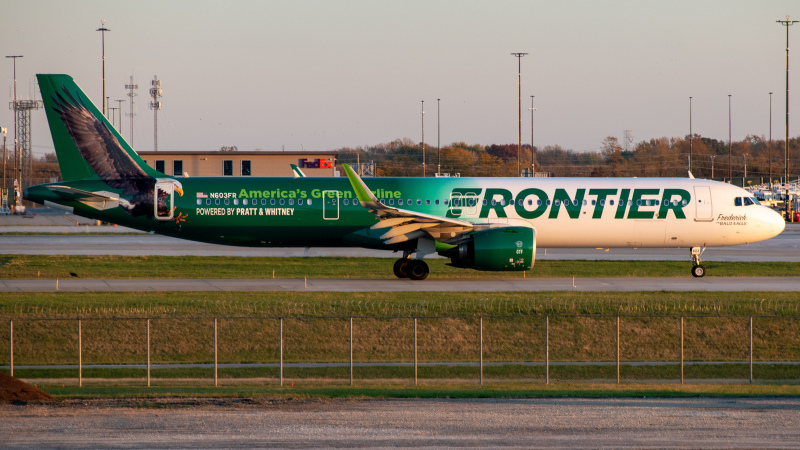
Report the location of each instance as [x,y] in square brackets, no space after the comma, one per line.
[87,145]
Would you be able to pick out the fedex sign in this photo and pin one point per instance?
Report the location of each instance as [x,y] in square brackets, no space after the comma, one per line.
[319,163]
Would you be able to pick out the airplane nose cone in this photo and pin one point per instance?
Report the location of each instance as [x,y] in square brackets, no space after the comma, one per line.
[774,223]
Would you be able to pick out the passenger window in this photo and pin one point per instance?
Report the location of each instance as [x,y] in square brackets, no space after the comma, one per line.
[445,202]
[199,201]
[208,201]
[227,201]
[399,202]
[309,202]
[263,202]
[272,201]
[427,201]
[409,202]
[300,201]
[282,202]
[484,202]
[436,201]
[557,202]
[611,202]
[737,201]
[291,201]
[419,202]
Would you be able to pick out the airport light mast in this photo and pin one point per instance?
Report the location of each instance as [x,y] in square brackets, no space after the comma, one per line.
[519,115]
[131,87]
[787,204]
[102,31]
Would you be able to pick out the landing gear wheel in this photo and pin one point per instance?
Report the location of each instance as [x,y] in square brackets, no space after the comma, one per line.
[698,271]
[417,269]
[401,268]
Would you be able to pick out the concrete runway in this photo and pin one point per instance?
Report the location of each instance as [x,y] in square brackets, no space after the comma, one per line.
[723,284]
[785,247]
[516,423]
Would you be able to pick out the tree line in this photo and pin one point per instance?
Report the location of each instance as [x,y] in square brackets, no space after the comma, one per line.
[660,157]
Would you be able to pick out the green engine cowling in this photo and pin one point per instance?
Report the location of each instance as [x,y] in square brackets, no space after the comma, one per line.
[497,249]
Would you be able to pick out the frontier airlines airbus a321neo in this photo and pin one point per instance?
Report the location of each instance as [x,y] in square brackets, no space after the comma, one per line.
[479,223]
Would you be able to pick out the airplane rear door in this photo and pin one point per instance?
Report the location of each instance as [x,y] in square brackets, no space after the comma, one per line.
[702,203]
[164,200]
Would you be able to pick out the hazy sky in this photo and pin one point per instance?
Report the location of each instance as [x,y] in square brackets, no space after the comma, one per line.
[320,75]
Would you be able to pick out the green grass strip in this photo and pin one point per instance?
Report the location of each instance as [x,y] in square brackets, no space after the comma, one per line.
[16,267]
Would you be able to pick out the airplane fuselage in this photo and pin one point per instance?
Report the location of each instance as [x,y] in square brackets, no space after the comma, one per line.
[565,212]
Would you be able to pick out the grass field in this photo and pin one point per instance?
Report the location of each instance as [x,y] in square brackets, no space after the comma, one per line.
[581,327]
[128,267]
[147,397]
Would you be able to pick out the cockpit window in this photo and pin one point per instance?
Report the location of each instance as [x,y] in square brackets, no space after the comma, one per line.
[737,201]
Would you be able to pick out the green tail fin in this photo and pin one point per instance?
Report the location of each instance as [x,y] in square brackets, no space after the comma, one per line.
[86,143]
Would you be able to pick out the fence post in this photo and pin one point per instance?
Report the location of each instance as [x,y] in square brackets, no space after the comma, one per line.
[215,352]
[351,350]
[481,327]
[80,355]
[617,349]
[281,350]
[11,343]
[148,352]
[751,349]
[415,351]
[547,349]
[681,349]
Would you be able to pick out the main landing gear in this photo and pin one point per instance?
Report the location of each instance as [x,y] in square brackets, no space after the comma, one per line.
[415,269]
[698,271]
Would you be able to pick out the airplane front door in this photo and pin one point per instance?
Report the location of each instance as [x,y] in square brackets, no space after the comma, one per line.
[702,202]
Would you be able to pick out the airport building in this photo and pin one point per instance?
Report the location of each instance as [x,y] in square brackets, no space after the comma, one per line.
[241,164]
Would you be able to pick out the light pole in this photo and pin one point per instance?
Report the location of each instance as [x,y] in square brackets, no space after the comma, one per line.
[17,156]
[119,108]
[712,165]
[102,31]
[770,143]
[691,136]
[744,155]
[787,204]
[533,165]
[3,192]
[423,138]
[519,115]
[438,138]
[730,145]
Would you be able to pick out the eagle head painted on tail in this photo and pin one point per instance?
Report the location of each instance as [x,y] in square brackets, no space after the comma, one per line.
[112,164]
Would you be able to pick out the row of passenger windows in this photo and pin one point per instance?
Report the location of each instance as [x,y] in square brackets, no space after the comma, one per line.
[455,202]
[745,201]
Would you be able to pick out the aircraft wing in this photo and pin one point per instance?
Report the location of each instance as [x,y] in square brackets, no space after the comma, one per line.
[403,224]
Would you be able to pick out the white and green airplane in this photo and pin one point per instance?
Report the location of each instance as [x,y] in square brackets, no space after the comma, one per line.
[479,223]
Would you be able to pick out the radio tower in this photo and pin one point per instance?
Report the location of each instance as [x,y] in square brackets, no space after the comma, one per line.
[131,87]
[155,105]
[627,140]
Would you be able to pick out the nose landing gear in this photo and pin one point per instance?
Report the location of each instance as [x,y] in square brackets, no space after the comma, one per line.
[698,271]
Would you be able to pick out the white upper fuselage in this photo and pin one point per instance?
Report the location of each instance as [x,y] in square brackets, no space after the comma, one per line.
[623,212]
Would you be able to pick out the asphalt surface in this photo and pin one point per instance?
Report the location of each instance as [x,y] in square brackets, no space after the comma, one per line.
[517,423]
[723,284]
[784,247]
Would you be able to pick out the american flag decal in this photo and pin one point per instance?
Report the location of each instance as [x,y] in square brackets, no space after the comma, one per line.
[202,195]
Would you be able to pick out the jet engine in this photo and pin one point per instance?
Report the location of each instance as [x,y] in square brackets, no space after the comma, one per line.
[496,249]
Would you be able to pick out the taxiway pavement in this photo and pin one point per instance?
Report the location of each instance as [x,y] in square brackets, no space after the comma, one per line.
[683,284]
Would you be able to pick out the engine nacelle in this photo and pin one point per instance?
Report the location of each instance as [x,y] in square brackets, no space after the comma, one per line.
[497,249]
